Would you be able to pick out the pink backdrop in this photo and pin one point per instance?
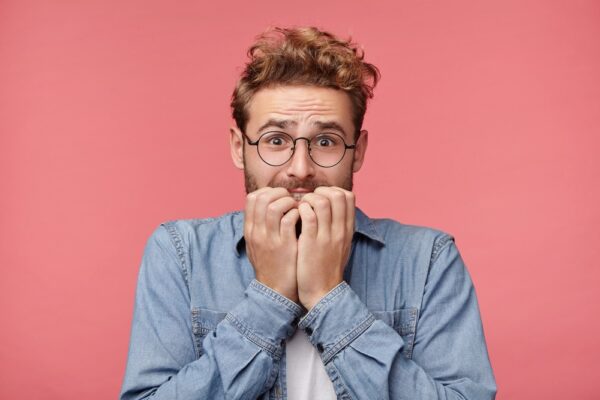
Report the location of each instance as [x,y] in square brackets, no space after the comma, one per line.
[114,117]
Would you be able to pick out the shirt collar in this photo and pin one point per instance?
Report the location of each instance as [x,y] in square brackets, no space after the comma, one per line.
[363,225]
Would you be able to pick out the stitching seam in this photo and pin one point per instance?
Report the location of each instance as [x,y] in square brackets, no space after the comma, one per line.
[254,338]
[347,339]
[438,246]
[177,242]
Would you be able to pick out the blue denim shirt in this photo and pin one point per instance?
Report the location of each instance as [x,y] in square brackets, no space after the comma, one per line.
[404,324]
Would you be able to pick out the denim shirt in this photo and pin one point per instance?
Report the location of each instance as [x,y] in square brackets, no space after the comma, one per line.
[404,323]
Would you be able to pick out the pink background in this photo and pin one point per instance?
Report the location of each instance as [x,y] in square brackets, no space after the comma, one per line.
[114,117]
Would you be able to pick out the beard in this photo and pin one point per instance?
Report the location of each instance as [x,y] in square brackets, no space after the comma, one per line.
[311,184]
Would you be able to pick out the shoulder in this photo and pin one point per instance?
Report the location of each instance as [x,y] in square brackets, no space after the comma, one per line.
[186,230]
[403,255]
[186,241]
[196,235]
[393,228]
[410,239]
[425,252]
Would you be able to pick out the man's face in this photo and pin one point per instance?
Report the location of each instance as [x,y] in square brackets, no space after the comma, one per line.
[300,111]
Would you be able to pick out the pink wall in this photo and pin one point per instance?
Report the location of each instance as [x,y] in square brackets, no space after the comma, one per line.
[114,117]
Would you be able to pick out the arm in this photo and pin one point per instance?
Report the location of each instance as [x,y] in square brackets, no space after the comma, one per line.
[241,356]
[363,356]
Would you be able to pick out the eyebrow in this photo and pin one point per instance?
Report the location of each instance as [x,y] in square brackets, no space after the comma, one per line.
[277,123]
[285,123]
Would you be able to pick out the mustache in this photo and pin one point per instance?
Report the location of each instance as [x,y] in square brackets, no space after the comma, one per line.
[296,184]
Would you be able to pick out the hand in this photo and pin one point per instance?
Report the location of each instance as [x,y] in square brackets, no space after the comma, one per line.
[324,245]
[270,235]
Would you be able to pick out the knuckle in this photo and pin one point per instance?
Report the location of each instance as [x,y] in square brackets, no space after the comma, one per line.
[286,222]
[308,196]
[303,206]
[310,218]
[338,196]
[322,203]
[262,200]
[340,237]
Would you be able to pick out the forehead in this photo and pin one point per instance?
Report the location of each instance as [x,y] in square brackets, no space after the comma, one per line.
[303,106]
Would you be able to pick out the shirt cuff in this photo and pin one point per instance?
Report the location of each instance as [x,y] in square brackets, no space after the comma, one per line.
[265,317]
[336,321]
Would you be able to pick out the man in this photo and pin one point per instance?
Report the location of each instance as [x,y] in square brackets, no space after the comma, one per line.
[302,296]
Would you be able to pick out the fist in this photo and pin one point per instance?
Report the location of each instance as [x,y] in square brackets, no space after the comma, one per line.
[271,244]
[325,242]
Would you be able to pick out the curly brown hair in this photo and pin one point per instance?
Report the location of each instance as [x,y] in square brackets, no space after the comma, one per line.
[305,56]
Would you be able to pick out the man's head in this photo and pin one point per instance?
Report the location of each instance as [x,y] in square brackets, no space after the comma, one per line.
[302,82]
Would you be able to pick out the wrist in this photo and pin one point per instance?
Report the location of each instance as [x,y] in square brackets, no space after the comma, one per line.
[310,297]
[291,293]
[309,300]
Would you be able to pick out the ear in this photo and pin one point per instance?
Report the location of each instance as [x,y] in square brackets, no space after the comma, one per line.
[360,150]
[236,142]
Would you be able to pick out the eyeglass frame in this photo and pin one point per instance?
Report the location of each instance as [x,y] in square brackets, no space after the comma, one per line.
[294,140]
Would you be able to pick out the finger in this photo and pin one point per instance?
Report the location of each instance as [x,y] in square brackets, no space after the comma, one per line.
[337,200]
[350,211]
[322,208]
[263,200]
[288,225]
[275,212]
[309,220]
[249,210]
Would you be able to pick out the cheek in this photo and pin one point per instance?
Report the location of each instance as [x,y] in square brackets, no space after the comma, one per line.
[343,169]
[264,174]
[336,176]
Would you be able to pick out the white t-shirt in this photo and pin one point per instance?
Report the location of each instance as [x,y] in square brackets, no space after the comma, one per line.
[305,373]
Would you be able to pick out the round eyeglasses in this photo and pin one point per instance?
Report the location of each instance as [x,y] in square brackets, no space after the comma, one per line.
[276,148]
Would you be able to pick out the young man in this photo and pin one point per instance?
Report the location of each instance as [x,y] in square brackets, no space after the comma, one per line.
[302,296]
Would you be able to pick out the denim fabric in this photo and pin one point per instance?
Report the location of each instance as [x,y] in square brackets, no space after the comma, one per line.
[404,324]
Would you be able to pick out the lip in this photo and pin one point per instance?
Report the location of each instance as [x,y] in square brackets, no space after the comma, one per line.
[299,190]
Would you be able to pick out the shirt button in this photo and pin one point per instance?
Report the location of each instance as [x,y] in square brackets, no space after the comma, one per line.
[309,331]
[319,347]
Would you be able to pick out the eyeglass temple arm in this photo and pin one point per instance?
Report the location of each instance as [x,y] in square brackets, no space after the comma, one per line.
[250,142]
[353,146]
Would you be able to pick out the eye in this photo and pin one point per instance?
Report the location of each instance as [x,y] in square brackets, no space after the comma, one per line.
[326,141]
[276,139]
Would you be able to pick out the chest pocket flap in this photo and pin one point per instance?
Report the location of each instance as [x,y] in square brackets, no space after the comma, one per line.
[403,321]
[204,321]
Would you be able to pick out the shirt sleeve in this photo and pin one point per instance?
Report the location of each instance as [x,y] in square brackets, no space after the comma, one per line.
[363,355]
[241,356]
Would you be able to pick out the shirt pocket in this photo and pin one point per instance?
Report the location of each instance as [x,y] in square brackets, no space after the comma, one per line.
[403,321]
[204,321]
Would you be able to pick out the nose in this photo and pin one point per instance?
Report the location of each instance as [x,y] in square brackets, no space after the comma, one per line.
[301,166]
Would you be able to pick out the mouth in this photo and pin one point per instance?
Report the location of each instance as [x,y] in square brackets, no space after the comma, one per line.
[298,193]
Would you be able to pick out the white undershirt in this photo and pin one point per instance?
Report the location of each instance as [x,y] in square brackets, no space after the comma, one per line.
[306,375]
